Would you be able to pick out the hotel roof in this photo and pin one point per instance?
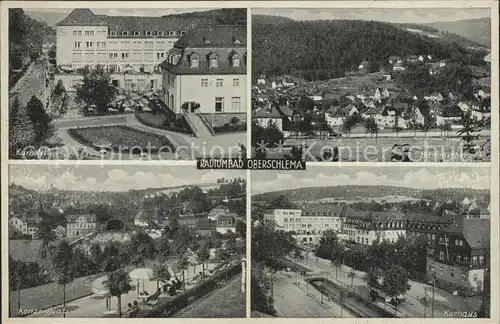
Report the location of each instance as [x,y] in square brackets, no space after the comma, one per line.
[215,36]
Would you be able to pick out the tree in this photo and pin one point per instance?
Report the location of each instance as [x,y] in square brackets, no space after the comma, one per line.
[62,261]
[21,129]
[395,282]
[59,88]
[351,275]
[329,246]
[183,264]
[371,278]
[39,118]
[95,89]
[337,263]
[161,273]
[426,302]
[469,126]
[45,231]
[141,244]
[118,284]
[203,257]
[241,229]
[372,127]
[52,52]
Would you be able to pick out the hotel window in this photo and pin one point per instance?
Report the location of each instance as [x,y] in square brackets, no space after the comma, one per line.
[160,33]
[236,103]
[219,104]
[87,33]
[474,260]
[113,56]
[219,83]
[195,61]
[481,260]
[124,56]
[441,269]
[77,56]
[441,255]
[75,32]
[214,61]
[460,242]
[236,82]
[171,33]
[459,258]
[113,33]
[183,32]
[124,33]
[285,220]
[89,44]
[474,278]
[160,55]
[236,61]
[452,273]
[77,44]
[148,33]
[89,56]
[237,41]
[136,33]
[204,83]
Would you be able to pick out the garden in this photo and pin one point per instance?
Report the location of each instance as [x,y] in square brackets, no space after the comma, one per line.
[121,138]
[163,120]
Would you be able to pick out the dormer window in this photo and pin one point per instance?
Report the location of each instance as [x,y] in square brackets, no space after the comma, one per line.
[160,33]
[148,33]
[208,41]
[113,33]
[237,41]
[137,33]
[124,33]
[214,61]
[194,60]
[183,32]
[236,60]
[171,33]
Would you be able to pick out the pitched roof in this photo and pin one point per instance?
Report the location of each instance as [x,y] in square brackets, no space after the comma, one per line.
[81,17]
[387,215]
[142,24]
[320,209]
[74,217]
[286,110]
[218,35]
[477,232]
[372,111]
[267,113]
[25,250]
[205,224]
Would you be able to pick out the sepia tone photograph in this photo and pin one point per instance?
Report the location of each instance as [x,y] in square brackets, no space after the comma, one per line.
[391,242]
[130,242]
[121,84]
[372,85]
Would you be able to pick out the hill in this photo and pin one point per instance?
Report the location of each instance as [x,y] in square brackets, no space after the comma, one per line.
[270,19]
[359,192]
[477,30]
[325,49]
[50,18]
[224,16]
[26,36]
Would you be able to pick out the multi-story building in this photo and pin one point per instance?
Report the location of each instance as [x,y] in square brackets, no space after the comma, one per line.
[80,225]
[131,47]
[226,224]
[367,227]
[426,226]
[307,224]
[207,66]
[24,225]
[459,258]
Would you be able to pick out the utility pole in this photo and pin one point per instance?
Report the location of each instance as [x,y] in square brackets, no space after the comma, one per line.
[272,289]
[433,289]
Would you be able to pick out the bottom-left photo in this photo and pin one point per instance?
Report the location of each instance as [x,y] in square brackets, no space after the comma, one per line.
[126,241]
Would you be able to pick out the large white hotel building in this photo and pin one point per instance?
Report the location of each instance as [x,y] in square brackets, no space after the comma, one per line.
[187,59]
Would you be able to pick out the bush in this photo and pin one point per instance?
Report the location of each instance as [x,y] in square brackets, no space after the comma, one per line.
[229,128]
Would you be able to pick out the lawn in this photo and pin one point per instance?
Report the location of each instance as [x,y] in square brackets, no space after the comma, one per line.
[121,138]
[163,121]
[225,302]
[380,150]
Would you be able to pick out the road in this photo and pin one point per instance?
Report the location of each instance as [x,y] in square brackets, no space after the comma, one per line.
[413,307]
[32,84]
[299,301]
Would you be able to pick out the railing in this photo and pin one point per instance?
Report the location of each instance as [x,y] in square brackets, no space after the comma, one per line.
[185,115]
[207,124]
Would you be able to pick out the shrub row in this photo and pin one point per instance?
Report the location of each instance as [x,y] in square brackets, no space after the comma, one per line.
[171,123]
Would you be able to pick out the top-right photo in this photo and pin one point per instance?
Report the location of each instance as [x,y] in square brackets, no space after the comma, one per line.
[372,84]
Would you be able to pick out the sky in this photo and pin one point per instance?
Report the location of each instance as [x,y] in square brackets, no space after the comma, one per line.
[122,11]
[393,15]
[113,178]
[413,177]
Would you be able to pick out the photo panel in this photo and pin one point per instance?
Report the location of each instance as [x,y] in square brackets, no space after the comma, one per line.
[384,242]
[127,83]
[372,84]
[126,241]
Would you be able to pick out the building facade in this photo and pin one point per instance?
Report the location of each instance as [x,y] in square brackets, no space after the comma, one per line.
[207,66]
[130,47]
[80,225]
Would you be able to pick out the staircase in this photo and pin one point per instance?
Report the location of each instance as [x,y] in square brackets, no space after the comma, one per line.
[199,128]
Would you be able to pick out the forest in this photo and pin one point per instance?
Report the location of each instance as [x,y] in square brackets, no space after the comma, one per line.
[226,16]
[325,49]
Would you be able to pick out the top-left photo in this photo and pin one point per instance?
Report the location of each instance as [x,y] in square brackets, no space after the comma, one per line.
[127,84]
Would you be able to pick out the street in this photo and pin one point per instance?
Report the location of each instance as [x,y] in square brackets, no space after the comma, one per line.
[412,307]
[32,84]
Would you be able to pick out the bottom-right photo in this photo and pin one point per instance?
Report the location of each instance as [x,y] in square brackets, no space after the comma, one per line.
[351,241]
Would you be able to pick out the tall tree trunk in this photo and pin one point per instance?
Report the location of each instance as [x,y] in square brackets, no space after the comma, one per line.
[18,295]
[183,282]
[64,299]
[119,306]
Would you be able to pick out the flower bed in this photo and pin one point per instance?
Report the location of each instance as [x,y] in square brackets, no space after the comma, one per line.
[227,122]
[121,139]
[162,121]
